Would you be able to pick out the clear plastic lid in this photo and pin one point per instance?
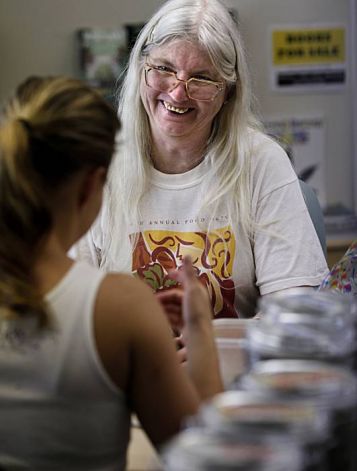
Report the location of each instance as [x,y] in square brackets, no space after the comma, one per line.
[303,324]
[248,413]
[327,386]
[291,335]
[203,450]
[325,306]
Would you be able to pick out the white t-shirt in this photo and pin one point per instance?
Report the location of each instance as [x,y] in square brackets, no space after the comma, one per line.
[285,254]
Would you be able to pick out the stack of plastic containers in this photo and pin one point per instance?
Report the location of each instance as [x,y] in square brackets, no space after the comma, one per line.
[305,325]
[261,415]
[293,404]
[329,389]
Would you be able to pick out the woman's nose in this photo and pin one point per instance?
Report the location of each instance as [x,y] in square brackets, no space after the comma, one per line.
[179,93]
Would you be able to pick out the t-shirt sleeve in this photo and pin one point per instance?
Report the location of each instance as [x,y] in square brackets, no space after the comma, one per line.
[287,250]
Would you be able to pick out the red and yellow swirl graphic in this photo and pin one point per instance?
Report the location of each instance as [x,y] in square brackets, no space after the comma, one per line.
[157,252]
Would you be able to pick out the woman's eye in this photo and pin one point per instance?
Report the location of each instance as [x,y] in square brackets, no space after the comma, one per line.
[203,77]
[162,67]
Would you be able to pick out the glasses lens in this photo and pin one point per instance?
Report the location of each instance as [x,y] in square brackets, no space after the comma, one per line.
[160,80]
[202,90]
[163,81]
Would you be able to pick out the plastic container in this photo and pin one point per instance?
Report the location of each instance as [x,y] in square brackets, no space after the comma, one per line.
[248,414]
[304,325]
[232,348]
[233,359]
[329,388]
[231,328]
[325,305]
[204,450]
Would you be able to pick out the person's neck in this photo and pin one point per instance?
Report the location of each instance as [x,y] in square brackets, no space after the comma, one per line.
[177,156]
[52,262]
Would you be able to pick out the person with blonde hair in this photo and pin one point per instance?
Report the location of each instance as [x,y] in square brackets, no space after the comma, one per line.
[197,175]
[77,353]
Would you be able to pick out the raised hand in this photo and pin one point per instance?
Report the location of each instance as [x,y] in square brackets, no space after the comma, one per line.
[171,301]
[197,332]
[193,299]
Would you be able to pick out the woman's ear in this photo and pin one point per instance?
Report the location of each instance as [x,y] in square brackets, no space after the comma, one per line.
[93,182]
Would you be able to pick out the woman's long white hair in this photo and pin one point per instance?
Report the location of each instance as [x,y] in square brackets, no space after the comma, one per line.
[210,24]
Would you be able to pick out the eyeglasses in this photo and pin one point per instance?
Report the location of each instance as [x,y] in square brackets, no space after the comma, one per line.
[196,89]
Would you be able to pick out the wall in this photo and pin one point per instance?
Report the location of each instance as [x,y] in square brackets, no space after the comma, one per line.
[256,17]
[37,36]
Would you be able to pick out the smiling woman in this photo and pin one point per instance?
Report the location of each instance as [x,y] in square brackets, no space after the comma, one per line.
[194,153]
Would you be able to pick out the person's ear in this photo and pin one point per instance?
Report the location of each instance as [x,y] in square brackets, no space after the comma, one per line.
[92,183]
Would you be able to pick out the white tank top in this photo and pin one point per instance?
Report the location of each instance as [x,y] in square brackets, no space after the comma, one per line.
[58,407]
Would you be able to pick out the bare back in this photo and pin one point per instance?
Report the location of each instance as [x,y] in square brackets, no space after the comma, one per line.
[135,344]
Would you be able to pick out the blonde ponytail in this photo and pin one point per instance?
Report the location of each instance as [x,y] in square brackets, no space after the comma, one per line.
[52,129]
[23,223]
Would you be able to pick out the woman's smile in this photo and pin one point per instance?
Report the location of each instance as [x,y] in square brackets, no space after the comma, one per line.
[175,109]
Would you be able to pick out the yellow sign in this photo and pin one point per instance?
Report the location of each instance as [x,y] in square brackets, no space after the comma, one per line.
[309,46]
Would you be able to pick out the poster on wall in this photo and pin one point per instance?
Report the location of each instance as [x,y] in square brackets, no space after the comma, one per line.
[103,54]
[304,141]
[308,58]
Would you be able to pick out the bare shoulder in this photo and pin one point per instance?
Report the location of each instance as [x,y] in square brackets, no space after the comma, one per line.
[123,307]
[121,294]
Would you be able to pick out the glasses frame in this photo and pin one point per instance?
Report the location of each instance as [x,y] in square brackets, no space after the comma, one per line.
[218,85]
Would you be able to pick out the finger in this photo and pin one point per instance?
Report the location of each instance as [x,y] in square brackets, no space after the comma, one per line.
[181,339]
[182,355]
[172,308]
[179,342]
[187,273]
[188,268]
[176,276]
[169,304]
[175,321]
[172,295]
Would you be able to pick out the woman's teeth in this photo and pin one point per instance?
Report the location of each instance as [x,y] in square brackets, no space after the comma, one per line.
[173,108]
